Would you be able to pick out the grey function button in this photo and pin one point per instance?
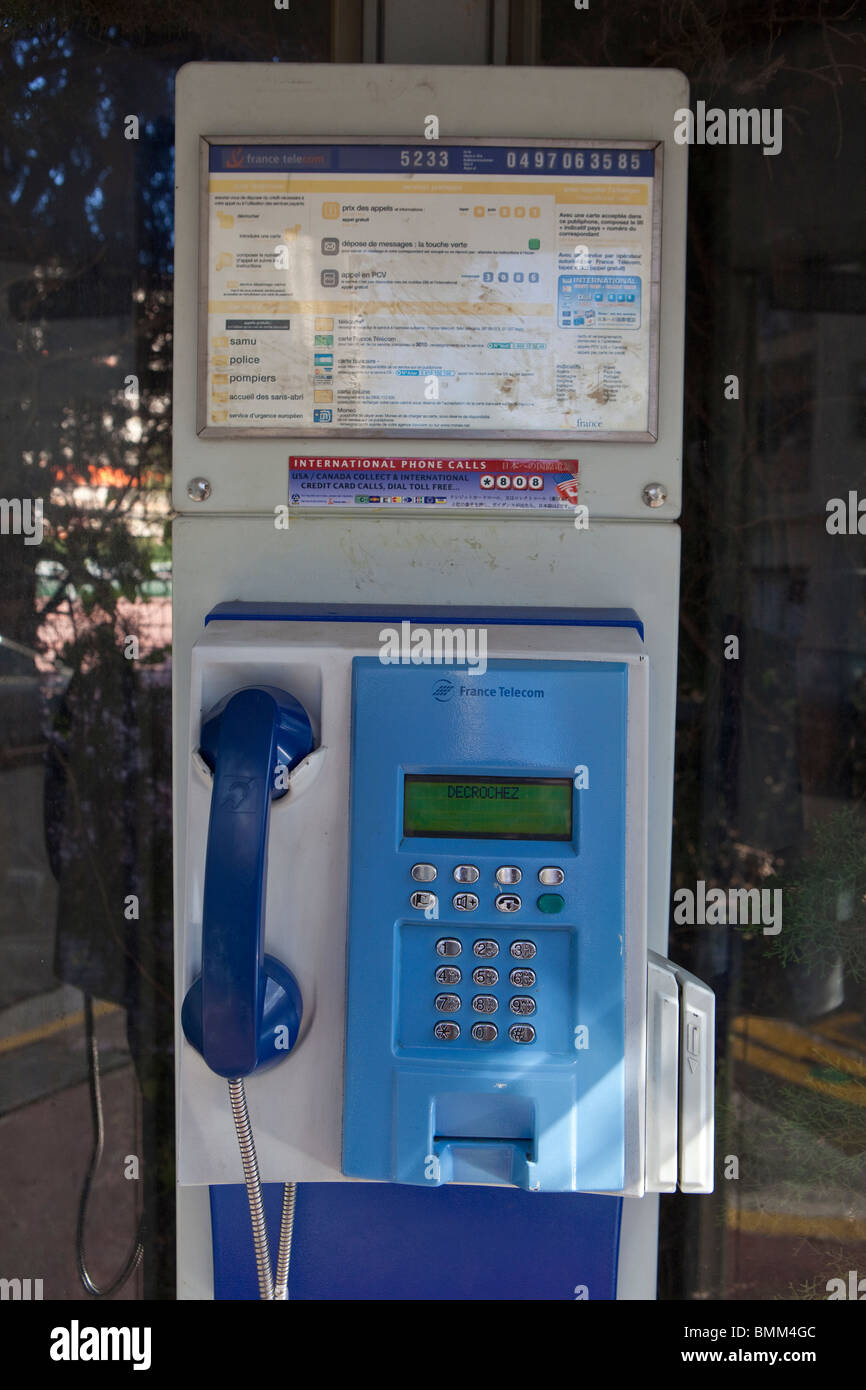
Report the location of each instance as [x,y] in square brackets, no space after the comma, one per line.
[424,873]
[523,950]
[485,1032]
[485,975]
[521,1033]
[508,902]
[446,1032]
[522,979]
[551,876]
[423,901]
[448,975]
[448,946]
[464,902]
[508,873]
[486,950]
[522,1004]
[447,1003]
[485,1004]
[466,873]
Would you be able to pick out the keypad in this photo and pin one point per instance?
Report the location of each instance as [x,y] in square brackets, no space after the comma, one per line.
[486,1004]
[493,890]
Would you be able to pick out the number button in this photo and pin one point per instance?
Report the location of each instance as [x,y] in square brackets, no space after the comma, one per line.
[486,950]
[523,950]
[448,946]
[522,1004]
[485,1032]
[485,1004]
[447,1003]
[446,1032]
[521,979]
[485,975]
[448,975]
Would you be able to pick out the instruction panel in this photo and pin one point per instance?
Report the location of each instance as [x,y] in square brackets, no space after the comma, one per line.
[398,289]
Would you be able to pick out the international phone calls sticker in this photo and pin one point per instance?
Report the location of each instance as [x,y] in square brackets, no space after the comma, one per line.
[377,482]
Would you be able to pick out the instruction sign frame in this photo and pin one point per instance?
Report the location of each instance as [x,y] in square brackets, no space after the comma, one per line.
[328,430]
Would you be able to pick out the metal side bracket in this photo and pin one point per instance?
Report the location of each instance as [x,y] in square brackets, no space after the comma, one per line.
[680,1079]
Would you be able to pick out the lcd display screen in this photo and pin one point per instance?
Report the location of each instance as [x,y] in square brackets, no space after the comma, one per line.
[487,808]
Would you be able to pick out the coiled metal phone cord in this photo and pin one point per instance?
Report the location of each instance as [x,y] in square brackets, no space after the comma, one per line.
[246,1143]
[284,1250]
[133,1259]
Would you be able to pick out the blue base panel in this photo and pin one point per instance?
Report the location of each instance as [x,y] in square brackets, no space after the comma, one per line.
[388,1241]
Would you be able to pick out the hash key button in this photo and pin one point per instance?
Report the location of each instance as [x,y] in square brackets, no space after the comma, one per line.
[521,1033]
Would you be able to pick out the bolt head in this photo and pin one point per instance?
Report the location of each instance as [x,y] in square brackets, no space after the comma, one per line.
[198,489]
[655,495]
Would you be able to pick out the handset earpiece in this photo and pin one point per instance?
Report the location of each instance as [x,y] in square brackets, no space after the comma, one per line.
[244,1010]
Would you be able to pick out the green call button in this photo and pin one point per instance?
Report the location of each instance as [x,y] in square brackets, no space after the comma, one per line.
[551,902]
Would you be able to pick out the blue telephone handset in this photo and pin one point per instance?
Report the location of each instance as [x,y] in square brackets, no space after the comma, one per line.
[244,1010]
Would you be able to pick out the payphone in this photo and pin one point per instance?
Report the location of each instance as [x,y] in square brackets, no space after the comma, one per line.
[424,788]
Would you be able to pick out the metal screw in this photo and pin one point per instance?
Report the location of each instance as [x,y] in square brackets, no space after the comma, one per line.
[655,495]
[198,489]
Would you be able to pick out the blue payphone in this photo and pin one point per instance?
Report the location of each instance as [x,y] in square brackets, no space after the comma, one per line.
[487,919]
[422,897]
